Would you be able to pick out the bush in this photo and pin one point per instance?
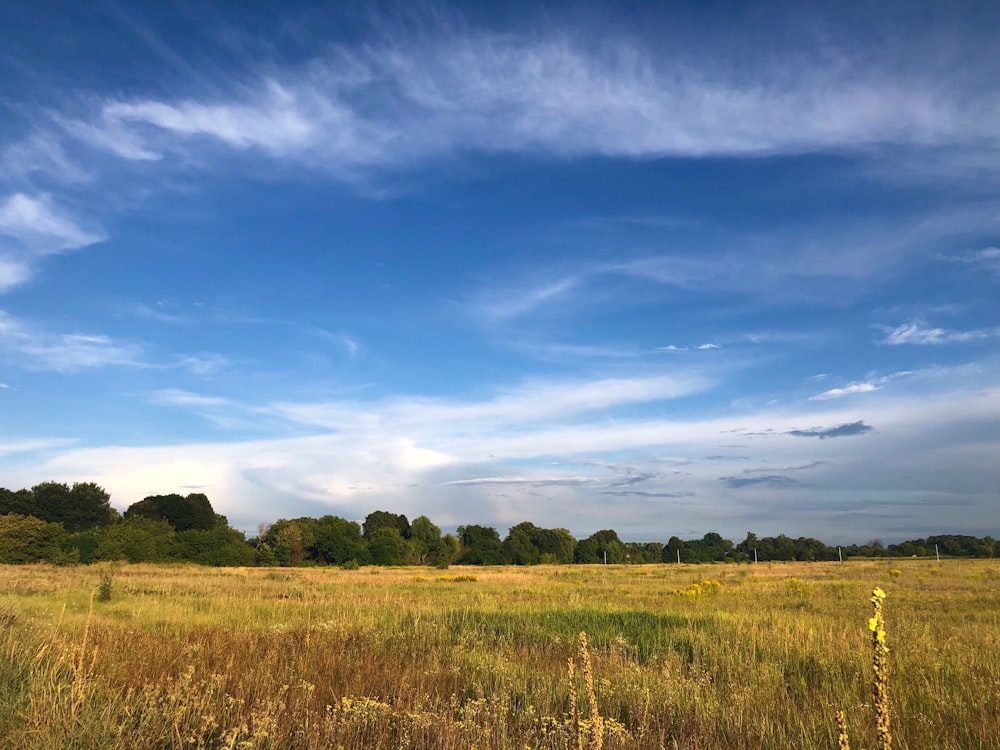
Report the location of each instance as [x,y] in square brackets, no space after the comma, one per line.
[25,539]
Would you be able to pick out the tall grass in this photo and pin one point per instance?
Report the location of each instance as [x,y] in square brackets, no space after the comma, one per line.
[186,657]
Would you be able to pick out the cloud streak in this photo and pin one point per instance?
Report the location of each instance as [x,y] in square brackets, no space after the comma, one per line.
[775,481]
[42,228]
[844,430]
[917,334]
[397,101]
[850,390]
[63,352]
[31,228]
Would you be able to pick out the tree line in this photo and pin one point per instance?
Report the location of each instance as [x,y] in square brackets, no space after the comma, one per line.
[64,524]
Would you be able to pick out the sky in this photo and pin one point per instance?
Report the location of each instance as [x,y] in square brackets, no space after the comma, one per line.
[662,268]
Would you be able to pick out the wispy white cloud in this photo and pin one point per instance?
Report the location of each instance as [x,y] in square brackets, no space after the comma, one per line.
[505,303]
[12,273]
[273,119]
[33,347]
[917,333]
[529,403]
[530,482]
[180,397]
[42,153]
[788,262]
[850,390]
[561,352]
[158,313]
[873,383]
[203,364]
[106,134]
[397,101]
[41,227]
[31,227]
[348,343]
[699,348]
[819,265]
[36,349]
[32,445]
[985,259]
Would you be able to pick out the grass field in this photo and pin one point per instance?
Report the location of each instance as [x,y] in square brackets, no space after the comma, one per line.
[185,657]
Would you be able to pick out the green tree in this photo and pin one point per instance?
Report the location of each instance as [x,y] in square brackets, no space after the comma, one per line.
[137,540]
[52,501]
[183,513]
[784,548]
[426,543]
[337,540]
[527,544]
[481,545]
[83,506]
[450,551]
[26,539]
[218,546]
[599,547]
[382,518]
[556,546]
[748,545]
[521,545]
[291,541]
[83,545]
[387,547]
[91,507]
[21,503]
[809,549]
[587,552]
[643,553]
[673,551]
[714,548]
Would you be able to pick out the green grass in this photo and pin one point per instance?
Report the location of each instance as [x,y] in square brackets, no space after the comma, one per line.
[187,657]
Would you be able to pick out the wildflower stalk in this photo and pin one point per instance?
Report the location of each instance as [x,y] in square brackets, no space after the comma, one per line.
[596,723]
[843,743]
[880,666]
[576,737]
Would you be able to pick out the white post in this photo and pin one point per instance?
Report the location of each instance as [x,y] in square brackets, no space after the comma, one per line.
[605,557]
[937,554]
[840,554]
[755,554]
[678,557]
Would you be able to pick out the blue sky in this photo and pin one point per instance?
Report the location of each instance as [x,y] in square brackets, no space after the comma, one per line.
[705,267]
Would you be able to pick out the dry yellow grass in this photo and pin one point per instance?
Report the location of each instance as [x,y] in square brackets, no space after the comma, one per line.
[185,657]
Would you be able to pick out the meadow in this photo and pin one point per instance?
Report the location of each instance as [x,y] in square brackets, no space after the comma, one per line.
[686,656]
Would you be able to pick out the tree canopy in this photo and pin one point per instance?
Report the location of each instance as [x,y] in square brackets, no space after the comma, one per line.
[182,513]
[59,523]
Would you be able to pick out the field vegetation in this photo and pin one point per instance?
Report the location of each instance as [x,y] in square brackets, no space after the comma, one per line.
[687,656]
